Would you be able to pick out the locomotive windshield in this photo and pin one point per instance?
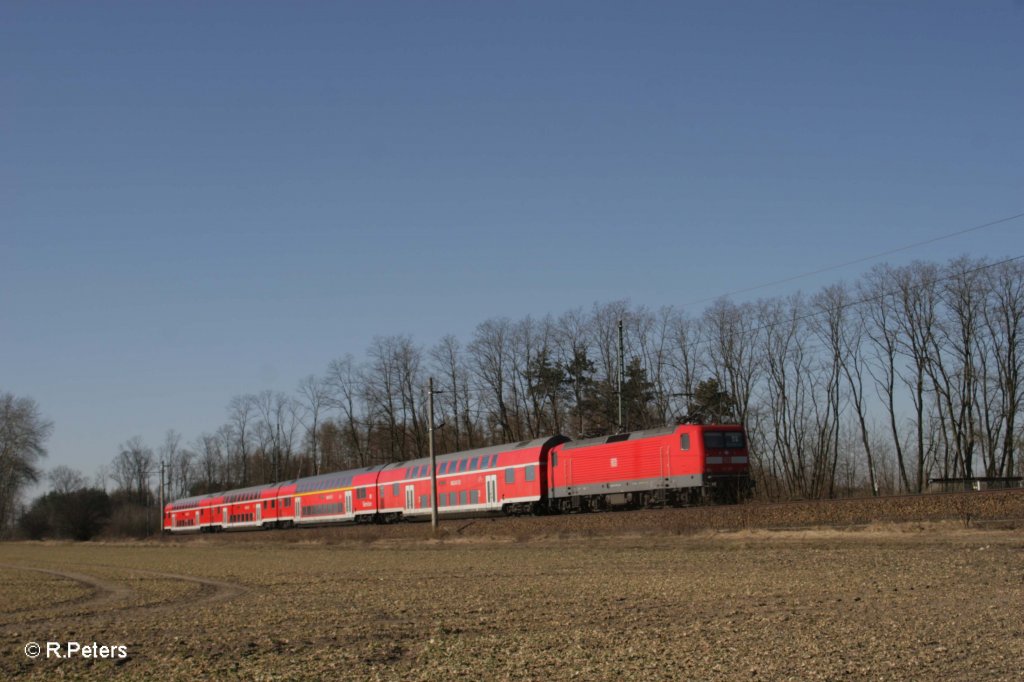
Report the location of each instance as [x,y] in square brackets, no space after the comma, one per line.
[718,440]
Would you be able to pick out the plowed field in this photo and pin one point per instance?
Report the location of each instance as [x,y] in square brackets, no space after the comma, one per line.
[923,601]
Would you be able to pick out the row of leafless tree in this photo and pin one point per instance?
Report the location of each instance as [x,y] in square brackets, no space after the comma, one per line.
[921,364]
[908,373]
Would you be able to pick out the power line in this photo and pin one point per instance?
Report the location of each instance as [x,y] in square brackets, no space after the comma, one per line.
[859,260]
[706,343]
[877,297]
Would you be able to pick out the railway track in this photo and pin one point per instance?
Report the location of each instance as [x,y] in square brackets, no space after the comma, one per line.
[969,508]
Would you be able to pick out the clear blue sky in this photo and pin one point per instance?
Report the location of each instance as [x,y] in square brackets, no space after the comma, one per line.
[200,199]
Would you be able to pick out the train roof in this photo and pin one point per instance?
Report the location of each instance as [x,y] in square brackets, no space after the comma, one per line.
[619,437]
[489,450]
[646,433]
[187,502]
[336,479]
[249,493]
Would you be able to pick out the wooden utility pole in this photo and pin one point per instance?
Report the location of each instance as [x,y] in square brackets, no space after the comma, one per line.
[622,376]
[160,512]
[433,458]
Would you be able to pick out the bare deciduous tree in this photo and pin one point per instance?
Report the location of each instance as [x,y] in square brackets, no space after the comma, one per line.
[23,434]
[492,365]
[878,291]
[64,480]
[1004,319]
[276,426]
[346,388]
[448,362]
[132,468]
[241,414]
[315,397]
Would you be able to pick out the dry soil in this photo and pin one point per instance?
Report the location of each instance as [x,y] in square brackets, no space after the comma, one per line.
[932,601]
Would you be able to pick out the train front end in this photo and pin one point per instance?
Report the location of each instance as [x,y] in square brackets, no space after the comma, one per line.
[726,462]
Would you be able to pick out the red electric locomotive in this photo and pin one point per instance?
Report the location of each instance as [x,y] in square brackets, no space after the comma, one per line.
[674,465]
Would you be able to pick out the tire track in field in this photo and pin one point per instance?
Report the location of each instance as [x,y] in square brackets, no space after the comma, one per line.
[211,590]
[116,595]
[104,592]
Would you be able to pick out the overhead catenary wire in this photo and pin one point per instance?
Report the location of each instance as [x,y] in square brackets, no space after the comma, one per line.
[878,297]
[864,259]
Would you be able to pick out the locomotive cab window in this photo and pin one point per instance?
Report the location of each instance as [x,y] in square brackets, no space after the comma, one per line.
[734,439]
[724,439]
[684,441]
